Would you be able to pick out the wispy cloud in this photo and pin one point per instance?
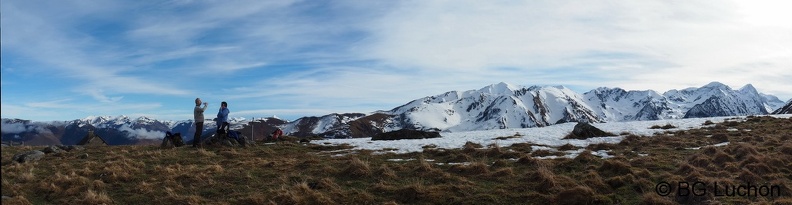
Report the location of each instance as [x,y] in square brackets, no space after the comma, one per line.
[291,57]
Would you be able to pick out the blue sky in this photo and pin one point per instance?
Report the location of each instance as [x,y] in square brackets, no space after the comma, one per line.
[64,60]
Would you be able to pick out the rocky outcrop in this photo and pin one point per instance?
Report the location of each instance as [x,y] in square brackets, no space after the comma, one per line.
[405,134]
[585,130]
[223,140]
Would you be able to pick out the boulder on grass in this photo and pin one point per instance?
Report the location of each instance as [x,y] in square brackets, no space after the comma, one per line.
[52,149]
[28,156]
[585,130]
[405,134]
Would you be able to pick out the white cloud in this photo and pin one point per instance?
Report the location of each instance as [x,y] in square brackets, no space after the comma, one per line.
[142,133]
[13,128]
[648,45]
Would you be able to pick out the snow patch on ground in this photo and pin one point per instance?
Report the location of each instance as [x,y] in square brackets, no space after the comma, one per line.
[542,137]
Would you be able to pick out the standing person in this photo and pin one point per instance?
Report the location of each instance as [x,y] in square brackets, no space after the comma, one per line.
[198,115]
[222,118]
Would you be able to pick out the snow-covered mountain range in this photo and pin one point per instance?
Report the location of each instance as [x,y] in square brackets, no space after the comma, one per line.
[496,106]
[502,105]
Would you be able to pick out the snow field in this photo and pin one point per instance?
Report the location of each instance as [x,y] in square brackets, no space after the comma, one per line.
[549,137]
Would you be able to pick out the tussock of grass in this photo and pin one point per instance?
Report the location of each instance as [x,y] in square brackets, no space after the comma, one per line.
[567,147]
[476,168]
[576,195]
[653,198]
[357,168]
[614,168]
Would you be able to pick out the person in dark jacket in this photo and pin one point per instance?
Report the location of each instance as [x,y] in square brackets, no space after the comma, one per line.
[222,118]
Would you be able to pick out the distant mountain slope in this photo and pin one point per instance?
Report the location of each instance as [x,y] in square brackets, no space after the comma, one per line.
[120,130]
[786,109]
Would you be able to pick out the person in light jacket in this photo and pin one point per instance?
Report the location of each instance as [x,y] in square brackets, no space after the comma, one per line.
[198,116]
[222,118]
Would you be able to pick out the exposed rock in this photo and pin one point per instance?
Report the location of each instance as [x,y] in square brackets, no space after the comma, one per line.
[224,140]
[74,148]
[83,156]
[405,134]
[786,109]
[52,149]
[28,156]
[585,130]
[70,148]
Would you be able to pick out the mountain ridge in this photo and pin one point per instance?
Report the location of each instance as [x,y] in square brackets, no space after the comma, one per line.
[495,106]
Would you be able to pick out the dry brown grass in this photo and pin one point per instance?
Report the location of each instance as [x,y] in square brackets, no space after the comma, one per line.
[291,173]
[357,168]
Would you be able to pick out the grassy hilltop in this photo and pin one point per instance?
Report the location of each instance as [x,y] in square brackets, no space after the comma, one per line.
[759,152]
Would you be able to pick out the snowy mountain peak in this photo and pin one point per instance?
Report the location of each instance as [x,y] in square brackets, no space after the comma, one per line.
[717,85]
[748,89]
[500,88]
